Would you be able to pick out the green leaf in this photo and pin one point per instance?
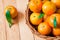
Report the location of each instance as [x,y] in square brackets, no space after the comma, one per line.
[8,17]
[41,15]
[55,22]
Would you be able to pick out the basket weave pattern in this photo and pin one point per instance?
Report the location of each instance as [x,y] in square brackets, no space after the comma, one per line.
[34,31]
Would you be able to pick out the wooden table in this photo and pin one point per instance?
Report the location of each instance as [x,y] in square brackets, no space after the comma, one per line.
[19,31]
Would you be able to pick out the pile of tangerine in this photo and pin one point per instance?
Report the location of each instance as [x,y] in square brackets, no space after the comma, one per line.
[46,15]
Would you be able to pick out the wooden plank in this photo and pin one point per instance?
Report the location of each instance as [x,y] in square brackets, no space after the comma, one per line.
[2,23]
[25,32]
[13,32]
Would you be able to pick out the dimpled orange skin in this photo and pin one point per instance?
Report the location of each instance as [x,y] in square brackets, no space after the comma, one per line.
[48,8]
[56,31]
[44,28]
[13,11]
[56,2]
[34,19]
[50,20]
[35,5]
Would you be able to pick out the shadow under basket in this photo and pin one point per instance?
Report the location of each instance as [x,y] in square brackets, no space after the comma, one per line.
[34,30]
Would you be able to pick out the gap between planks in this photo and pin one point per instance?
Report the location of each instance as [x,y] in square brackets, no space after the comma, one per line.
[13,32]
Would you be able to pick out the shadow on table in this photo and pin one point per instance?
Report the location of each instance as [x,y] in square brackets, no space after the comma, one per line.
[18,18]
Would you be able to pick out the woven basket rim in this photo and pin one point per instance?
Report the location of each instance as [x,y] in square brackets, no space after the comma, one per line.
[33,29]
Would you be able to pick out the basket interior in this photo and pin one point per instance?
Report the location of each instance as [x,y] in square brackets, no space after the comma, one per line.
[34,28]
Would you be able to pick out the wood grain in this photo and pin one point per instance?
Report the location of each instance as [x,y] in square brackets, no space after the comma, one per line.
[25,32]
[2,23]
[13,32]
[19,31]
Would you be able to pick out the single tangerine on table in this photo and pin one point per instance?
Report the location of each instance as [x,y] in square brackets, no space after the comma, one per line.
[10,13]
[48,8]
[34,19]
[35,5]
[44,28]
[13,11]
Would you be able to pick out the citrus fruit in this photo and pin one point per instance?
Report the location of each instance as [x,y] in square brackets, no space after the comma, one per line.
[13,11]
[48,8]
[56,2]
[56,31]
[35,5]
[44,28]
[54,18]
[34,19]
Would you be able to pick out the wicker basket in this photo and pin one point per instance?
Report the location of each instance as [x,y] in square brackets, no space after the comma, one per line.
[34,31]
